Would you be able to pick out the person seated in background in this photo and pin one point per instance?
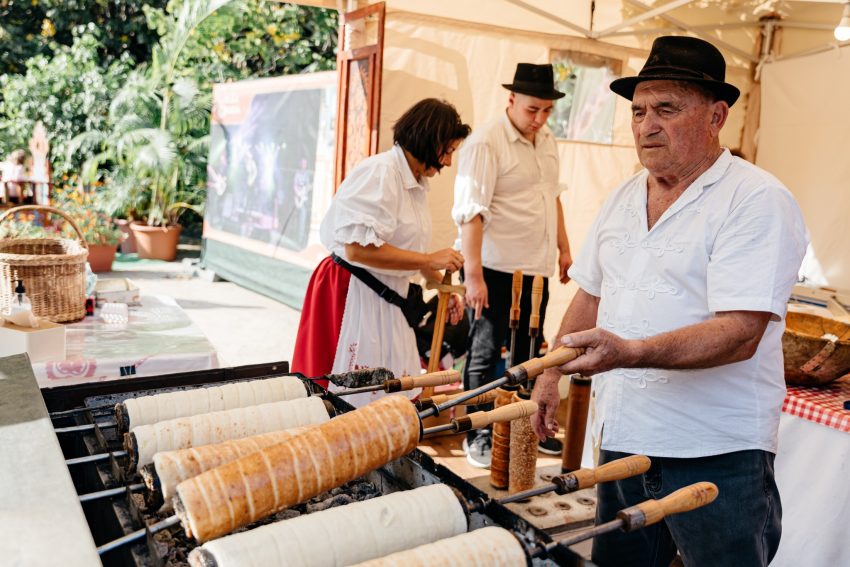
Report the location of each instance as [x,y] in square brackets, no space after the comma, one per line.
[13,175]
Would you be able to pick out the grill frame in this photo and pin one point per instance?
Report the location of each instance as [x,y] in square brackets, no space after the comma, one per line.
[111,518]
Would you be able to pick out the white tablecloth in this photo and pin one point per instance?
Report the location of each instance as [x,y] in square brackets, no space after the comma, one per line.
[813,475]
[158,339]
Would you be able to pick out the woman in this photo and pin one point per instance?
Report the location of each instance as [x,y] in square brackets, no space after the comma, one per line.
[379,220]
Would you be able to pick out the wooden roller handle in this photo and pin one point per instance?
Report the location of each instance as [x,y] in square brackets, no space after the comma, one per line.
[430,380]
[653,511]
[509,412]
[561,355]
[446,286]
[516,293]
[536,299]
[485,398]
[615,470]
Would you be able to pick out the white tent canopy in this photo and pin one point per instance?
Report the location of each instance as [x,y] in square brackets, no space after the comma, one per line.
[462,50]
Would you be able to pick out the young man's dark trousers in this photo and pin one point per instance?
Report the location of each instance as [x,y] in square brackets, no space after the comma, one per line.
[491,331]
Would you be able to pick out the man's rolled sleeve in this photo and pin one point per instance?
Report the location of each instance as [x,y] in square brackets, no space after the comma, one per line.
[474,183]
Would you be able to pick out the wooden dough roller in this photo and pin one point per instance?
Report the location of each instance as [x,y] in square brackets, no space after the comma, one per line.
[145,410]
[342,535]
[328,455]
[487,547]
[496,547]
[170,468]
[144,441]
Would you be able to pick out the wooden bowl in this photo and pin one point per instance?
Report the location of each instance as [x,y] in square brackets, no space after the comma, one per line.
[812,357]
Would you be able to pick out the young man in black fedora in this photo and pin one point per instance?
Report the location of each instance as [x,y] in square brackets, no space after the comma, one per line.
[509,217]
[683,283]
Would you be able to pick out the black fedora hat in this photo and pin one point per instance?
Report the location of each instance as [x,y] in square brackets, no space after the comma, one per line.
[534,80]
[678,58]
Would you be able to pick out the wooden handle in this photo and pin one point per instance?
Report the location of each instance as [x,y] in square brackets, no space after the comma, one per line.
[509,412]
[485,398]
[460,289]
[536,299]
[430,380]
[615,470]
[561,355]
[653,511]
[516,293]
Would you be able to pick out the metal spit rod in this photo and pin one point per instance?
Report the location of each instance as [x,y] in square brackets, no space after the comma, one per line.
[645,514]
[94,458]
[514,375]
[85,427]
[138,534]
[586,478]
[481,419]
[440,378]
[109,492]
[81,409]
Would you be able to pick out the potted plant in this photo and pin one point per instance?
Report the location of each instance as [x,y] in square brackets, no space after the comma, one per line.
[153,154]
[100,232]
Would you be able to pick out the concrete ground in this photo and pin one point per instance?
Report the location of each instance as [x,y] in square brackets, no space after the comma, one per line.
[243,326]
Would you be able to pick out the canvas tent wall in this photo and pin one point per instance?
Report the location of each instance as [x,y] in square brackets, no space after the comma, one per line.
[462,50]
[804,141]
[466,64]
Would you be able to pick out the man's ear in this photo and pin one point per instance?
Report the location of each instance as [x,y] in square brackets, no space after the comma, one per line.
[719,114]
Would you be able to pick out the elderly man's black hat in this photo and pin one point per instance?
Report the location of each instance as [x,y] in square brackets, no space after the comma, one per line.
[674,58]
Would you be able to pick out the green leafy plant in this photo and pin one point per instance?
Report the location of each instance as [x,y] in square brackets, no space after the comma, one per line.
[69,93]
[157,133]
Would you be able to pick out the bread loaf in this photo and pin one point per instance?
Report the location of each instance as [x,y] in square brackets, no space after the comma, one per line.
[218,501]
[522,466]
[487,547]
[160,407]
[204,429]
[343,535]
[173,467]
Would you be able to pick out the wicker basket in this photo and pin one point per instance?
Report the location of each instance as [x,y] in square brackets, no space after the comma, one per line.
[817,349]
[53,271]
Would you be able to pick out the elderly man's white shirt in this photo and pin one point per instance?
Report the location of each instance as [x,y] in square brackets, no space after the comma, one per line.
[734,240]
[513,185]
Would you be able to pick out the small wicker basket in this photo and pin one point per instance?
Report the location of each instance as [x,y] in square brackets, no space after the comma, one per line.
[817,349]
[53,271]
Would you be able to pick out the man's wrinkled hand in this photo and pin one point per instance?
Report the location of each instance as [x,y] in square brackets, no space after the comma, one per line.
[545,422]
[603,351]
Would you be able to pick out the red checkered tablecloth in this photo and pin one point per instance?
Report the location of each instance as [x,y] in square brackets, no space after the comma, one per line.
[821,405]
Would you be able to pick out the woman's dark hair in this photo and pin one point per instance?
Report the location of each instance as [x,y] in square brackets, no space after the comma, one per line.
[427,129]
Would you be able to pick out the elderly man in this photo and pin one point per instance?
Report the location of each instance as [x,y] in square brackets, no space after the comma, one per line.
[509,218]
[684,280]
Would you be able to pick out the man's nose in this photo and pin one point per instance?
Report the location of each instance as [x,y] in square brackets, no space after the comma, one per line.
[649,124]
[446,160]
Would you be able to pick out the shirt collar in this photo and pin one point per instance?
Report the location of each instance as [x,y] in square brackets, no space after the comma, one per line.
[717,169]
[514,135]
[407,178]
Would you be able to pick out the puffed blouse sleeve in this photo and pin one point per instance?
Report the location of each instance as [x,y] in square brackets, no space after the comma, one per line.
[364,210]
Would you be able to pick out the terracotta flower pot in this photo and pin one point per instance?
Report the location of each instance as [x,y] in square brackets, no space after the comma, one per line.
[128,245]
[156,242]
[101,257]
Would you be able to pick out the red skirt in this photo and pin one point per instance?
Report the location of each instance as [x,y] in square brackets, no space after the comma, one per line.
[321,321]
